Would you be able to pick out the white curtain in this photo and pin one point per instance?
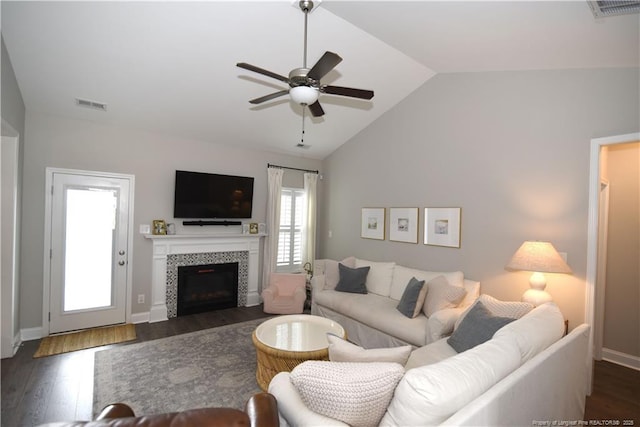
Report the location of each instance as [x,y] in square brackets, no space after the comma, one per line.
[274,194]
[309,225]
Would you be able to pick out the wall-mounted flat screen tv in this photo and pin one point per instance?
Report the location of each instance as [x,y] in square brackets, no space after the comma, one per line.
[206,195]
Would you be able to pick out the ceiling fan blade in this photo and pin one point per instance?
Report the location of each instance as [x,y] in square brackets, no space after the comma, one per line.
[262,71]
[269,97]
[347,91]
[316,109]
[325,64]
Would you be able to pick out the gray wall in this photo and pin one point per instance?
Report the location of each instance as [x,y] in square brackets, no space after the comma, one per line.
[510,148]
[13,113]
[622,294]
[64,143]
[12,107]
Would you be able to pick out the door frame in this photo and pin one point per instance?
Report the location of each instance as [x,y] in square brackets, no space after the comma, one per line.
[592,234]
[10,331]
[46,285]
[601,268]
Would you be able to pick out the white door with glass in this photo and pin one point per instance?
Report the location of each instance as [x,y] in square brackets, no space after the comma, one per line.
[89,245]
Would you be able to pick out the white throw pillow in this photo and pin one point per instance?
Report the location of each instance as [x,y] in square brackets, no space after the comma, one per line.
[430,394]
[379,277]
[355,393]
[441,295]
[402,275]
[343,351]
[536,330]
[512,309]
[332,273]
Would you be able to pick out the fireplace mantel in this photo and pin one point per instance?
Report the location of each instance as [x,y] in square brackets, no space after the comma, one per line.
[164,245]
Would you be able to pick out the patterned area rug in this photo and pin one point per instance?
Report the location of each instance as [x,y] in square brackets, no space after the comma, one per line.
[208,368]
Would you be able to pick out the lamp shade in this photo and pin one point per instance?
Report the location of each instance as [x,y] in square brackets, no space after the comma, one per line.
[303,95]
[538,256]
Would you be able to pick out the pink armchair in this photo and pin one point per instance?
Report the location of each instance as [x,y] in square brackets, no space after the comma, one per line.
[285,294]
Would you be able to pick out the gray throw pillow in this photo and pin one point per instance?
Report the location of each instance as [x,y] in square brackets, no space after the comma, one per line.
[413,298]
[352,279]
[478,326]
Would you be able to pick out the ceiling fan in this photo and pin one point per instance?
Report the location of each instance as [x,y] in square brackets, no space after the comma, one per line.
[304,83]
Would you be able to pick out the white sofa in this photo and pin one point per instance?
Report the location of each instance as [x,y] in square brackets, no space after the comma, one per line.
[525,373]
[372,320]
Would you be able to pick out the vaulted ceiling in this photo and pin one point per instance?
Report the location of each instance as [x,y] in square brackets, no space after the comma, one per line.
[169,67]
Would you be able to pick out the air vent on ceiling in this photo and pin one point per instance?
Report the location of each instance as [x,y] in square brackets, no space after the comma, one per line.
[91,104]
[604,8]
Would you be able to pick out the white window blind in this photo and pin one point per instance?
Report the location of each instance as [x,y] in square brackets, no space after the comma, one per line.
[290,235]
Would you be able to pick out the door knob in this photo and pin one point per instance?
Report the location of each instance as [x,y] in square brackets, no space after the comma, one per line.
[121,252]
[121,263]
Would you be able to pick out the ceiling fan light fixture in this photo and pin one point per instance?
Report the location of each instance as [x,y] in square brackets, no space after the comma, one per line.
[304,95]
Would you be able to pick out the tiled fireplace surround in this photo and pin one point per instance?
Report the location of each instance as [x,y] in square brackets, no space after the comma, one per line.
[173,251]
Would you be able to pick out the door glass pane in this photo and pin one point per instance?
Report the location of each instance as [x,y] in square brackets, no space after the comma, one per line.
[89,238]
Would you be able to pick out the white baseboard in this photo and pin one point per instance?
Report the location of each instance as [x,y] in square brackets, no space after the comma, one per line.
[31,334]
[620,358]
[140,318]
[17,340]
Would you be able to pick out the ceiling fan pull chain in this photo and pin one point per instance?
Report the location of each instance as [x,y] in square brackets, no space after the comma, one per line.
[302,137]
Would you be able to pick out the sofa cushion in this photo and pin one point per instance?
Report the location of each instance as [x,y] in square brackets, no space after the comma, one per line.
[376,312]
[536,330]
[352,279]
[331,272]
[513,309]
[441,295]
[430,353]
[402,275]
[379,278]
[478,326]
[343,351]
[413,298]
[430,394]
[355,393]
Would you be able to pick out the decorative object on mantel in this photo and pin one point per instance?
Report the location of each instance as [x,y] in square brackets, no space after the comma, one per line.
[171,228]
[245,228]
[373,223]
[539,257]
[253,228]
[442,227]
[403,225]
[159,227]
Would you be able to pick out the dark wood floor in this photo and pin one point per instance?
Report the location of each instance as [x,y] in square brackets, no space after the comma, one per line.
[615,396]
[57,388]
[60,388]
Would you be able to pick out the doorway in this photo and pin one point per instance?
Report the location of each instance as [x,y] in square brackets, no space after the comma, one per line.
[595,172]
[87,249]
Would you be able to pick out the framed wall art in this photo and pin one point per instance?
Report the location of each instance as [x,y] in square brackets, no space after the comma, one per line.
[403,225]
[442,227]
[373,221]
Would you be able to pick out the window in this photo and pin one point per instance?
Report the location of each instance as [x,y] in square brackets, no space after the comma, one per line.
[290,237]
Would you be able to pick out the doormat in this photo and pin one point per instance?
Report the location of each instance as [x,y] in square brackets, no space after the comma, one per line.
[89,338]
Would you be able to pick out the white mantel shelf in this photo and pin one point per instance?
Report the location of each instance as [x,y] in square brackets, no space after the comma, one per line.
[164,245]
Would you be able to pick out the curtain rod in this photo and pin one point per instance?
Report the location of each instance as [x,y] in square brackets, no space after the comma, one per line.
[269,165]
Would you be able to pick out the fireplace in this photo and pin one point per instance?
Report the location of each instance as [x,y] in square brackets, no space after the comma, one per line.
[207,287]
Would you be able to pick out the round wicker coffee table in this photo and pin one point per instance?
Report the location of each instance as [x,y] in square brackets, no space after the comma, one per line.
[283,342]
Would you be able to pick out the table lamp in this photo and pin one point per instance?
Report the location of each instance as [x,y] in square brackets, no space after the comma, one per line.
[539,257]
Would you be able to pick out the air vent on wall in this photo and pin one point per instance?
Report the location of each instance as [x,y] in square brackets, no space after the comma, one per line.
[91,104]
[604,8]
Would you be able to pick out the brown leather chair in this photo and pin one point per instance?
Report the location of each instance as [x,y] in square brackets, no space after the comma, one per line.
[261,410]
